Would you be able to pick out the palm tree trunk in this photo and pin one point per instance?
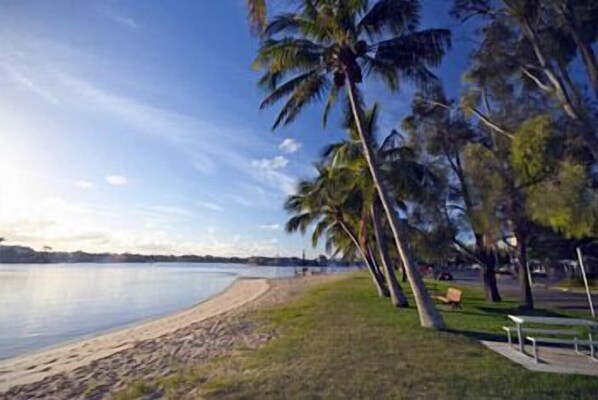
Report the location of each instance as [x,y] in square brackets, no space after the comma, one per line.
[374,261]
[428,313]
[396,293]
[376,278]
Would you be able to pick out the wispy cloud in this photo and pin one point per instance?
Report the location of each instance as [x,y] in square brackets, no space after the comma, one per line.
[22,77]
[210,205]
[117,180]
[171,210]
[84,185]
[269,170]
[272,227]
[289,146]
[109,11]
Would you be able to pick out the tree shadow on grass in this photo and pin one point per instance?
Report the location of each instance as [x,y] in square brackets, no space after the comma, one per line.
[521,311]
[476,335]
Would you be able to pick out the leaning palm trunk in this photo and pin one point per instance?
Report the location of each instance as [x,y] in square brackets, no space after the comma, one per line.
[396,293]
[428,314]
[376,277]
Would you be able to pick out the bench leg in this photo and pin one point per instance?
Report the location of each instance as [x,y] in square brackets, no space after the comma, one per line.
[520,337]
[576,345]
[535,349]
[509,338]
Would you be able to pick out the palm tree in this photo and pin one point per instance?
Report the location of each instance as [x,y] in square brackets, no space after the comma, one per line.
[330,205]
[329,46]
[348,155]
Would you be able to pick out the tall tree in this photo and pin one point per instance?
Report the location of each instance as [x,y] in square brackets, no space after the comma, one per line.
[348,155]
[329,46]
[538,51]
[441,135]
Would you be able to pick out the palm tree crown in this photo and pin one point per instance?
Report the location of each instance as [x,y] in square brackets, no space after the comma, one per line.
[308,55]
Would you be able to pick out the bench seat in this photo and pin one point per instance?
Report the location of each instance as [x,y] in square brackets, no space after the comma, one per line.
[512,329]
[575,342]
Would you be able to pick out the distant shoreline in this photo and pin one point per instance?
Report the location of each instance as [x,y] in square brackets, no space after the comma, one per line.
[27,255]
[63,358]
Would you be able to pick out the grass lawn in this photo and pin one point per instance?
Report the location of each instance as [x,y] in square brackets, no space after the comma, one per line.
[578,286]
[341,341]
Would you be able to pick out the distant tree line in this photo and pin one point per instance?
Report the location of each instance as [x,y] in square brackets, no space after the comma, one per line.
[26,255]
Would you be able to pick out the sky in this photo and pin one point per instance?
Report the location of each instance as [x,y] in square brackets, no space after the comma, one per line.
[135,126]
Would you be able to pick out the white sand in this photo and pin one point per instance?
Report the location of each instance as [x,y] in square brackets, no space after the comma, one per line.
[37,366]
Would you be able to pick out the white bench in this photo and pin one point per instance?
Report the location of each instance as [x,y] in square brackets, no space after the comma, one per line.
[512,329]
[575,342]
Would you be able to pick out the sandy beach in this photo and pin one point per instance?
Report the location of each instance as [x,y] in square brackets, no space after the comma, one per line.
[126,348]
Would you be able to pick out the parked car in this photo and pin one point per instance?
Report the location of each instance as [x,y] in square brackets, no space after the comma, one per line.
[504,270]
[444,276]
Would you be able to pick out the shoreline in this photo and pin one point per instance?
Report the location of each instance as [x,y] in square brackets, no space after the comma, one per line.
[66,357]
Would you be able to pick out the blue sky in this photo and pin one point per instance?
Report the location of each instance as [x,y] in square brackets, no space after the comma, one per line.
[134,126]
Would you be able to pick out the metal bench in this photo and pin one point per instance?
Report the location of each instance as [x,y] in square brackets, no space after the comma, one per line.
[452,298]
[512,329]
[575,342]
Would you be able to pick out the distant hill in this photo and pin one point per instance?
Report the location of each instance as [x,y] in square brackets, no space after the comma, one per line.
[26,255]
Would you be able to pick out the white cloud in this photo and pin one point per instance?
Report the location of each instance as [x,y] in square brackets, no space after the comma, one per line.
[171,210]
[117,180]
[84,185]
[117,16]
[21,76]
[289,146]
[270,164]
[272,227]
[268,170]
[203,164]
[210,205]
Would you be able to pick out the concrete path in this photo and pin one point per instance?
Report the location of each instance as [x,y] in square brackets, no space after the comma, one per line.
[552,359]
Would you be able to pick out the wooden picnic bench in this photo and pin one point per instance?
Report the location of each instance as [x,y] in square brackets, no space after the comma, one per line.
[452,298]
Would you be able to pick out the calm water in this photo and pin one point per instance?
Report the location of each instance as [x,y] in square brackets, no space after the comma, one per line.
[45,305]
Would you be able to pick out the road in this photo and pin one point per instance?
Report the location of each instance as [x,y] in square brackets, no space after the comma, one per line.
[543,298]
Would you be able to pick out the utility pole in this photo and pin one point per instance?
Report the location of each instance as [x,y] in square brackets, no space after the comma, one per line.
[585,281]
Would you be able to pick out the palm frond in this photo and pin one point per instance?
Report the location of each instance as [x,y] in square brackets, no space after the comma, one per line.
[257,13]
[309,90]
[391,16]
[288,54]
[425,47]
[287,88]
[299,222]
[332,98]
[291,23]
[319,231]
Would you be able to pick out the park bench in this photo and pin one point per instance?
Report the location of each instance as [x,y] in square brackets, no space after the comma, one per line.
[578,325]
[452,298]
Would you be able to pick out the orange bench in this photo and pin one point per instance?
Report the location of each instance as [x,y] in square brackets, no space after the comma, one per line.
[452,298]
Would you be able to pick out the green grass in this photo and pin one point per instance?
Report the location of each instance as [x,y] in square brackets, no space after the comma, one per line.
[136,390]
[577,285]
[341,341]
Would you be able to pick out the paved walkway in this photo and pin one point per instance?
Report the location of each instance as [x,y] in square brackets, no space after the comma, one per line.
[558,360]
